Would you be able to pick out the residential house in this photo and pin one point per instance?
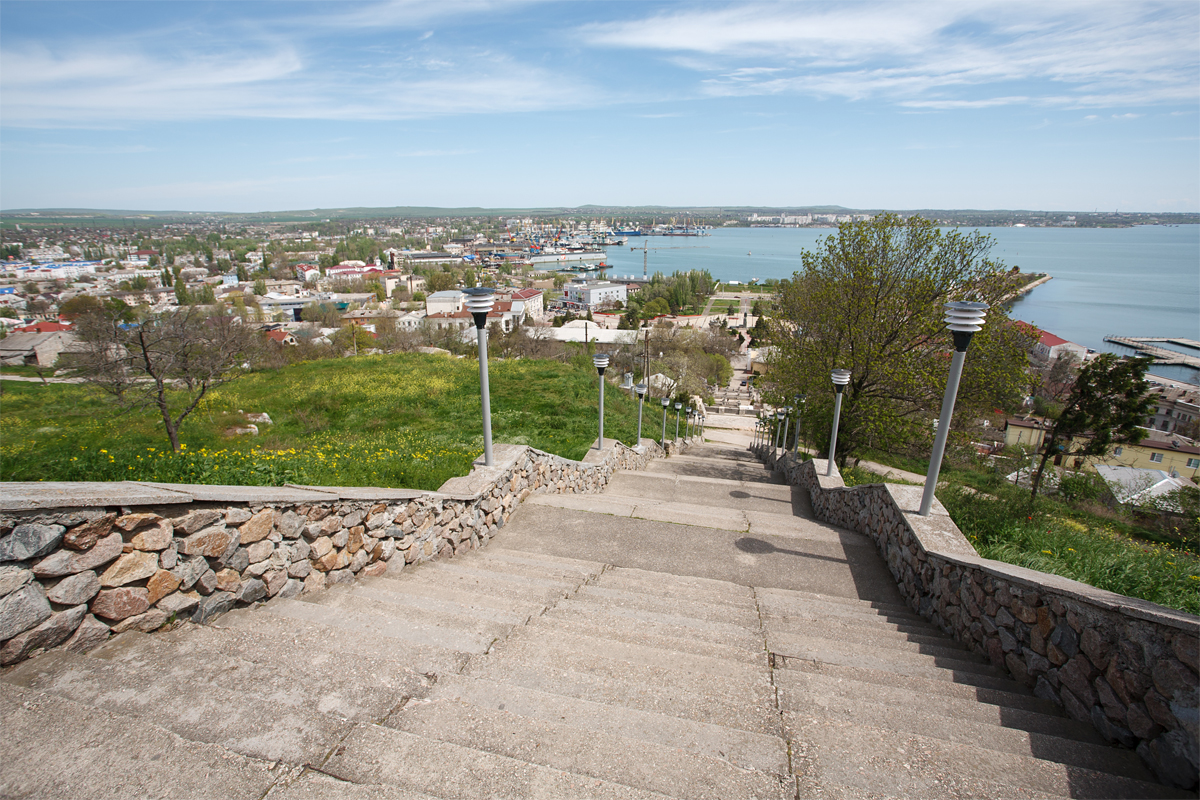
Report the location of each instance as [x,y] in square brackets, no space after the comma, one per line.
[282,338]
[1174,454]
[1049,347]
[528,301]
[449,301]
[35,349]
[1140,487]
[1176,402]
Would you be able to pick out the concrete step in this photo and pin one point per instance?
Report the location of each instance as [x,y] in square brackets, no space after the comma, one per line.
[459,620]
[481,582]
[977,706]
[173,695]
[749,751]
[317,786]
[493,575]
[373,754]
[863,631]
[655,691]
[596,753]
[364,693]
[862,637]
[968,686]
[725,494]
[704,468]
[801,603]
[431,597]
[56,748]
[366,622]
[648,509]
[623,618]
[746,703]
[482,562]
[800,708]
[590,570]
[619,596]
[905,664]
[660,584]
[330,642]
[876,759]
[640,633]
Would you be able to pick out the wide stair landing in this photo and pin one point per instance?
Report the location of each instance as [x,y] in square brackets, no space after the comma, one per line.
[510,673]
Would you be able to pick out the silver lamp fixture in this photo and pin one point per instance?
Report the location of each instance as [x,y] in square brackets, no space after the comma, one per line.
[666,401]
[640,390]
[600,361]
[964,319]
[840,378]
[479,301]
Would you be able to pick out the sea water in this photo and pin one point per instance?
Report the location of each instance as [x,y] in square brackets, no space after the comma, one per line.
[1139,281]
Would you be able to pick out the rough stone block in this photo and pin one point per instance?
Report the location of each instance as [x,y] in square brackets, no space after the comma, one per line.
[23,609]
[151,620]
[131,522]
[179,603]
[210,542]
[130,567]
[90,634]
[30,541]
[75,589]
[12,578]
[120,603]
[49,633]
[251,590]
[161,584]
[258,527]
[155,538]
[216,603]
[260,551]
[85,536]
[197,520]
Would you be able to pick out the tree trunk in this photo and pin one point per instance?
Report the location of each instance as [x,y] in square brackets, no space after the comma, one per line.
[1036,481]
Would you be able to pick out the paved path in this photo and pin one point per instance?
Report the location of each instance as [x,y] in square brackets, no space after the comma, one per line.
[690,633]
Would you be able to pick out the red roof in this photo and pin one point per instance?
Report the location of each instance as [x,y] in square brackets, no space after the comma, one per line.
[525,294]
[1050,340]
[278,336]
[43,327]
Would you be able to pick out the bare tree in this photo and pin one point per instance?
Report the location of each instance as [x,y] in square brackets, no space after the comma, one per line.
[170,362]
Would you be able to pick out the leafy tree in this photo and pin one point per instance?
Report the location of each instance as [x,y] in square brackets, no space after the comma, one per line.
[870,299]
[79,305]
[182,296]
[166,278]
[441,281]
[170,362]
[139,283]
[242,274]
[8,313]
[353,339]
[1106,406]
[260,287]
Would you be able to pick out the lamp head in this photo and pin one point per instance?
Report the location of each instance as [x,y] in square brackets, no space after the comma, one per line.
[640,388]
[678,406]
[666,401]
[479,301]
[840,378]
[600,361]
[964,318]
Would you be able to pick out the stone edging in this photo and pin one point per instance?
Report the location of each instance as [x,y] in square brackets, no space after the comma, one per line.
[81,561]
[1127,666]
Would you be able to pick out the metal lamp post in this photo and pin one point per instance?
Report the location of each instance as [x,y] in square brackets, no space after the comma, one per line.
[641,393]
[787,419]
[778,427]
[677,407]
[800,400]
[963,318]
[601,363]
[840,378]
[666,401]
[479,302]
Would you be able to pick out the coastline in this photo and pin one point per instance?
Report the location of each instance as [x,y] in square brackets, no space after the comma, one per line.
[1026,289]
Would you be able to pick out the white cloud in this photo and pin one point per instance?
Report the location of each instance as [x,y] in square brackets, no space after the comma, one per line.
[931,55]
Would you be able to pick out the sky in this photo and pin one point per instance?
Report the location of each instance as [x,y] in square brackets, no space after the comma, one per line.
[243,106]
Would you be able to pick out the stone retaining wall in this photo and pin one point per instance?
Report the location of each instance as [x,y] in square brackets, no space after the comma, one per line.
[80,561]
[1128,666]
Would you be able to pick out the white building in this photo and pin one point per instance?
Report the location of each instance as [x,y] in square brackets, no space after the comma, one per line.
[594,294]
[447,302]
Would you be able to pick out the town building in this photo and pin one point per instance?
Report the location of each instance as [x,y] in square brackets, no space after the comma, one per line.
[449,301]
[594,294]
[1176,403]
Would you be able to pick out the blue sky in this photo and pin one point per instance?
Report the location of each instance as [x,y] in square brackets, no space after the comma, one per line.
[232,106]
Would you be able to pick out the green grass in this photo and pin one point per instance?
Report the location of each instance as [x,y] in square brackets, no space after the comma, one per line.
[400,420]
[1077,540]
[1052,538]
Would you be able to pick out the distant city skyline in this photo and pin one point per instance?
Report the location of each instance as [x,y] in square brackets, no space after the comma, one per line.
[519,104]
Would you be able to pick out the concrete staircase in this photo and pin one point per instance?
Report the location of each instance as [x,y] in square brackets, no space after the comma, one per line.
[691,633]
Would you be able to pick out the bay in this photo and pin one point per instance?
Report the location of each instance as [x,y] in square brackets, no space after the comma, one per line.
[1140,281]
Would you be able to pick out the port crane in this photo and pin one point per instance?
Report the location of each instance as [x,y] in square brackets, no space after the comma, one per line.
[646,251]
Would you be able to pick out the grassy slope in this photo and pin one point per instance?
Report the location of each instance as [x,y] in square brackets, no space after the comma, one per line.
[400,420]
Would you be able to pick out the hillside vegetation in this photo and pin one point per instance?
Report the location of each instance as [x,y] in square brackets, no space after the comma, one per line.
[404,420]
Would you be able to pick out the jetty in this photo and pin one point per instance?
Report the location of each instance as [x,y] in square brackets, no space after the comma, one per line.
[1161,355]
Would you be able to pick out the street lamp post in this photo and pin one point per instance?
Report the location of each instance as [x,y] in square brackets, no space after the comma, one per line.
[964,319]
[800,400]
[641,393]
[479,302]
[601,363]
[666,401]
[677,407]
[840,378]
[778,428]
[787,419]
